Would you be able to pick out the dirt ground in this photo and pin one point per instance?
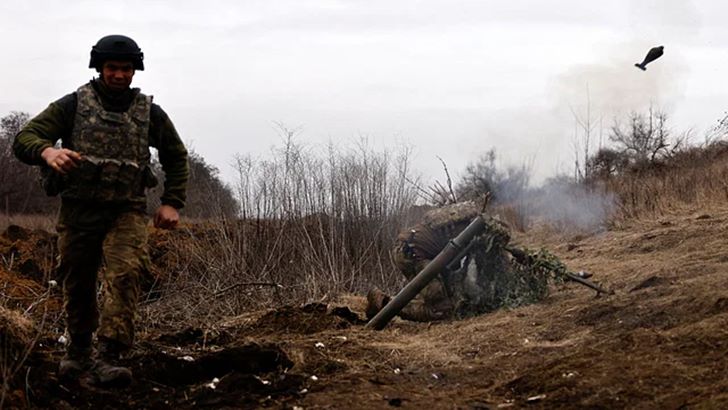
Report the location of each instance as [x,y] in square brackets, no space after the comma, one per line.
[661,341]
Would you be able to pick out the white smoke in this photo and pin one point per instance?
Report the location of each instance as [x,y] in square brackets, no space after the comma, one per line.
[614,87]
[595,96]
[573,206]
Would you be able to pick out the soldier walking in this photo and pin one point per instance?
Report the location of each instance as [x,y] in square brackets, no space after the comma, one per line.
[101,171]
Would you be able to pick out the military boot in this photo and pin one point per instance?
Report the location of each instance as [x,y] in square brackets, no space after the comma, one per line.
[78,358]
[376,300]
[106,370]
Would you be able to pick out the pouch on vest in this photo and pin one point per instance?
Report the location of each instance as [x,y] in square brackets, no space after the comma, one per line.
[51,181]
[148,178]
[83,182]
[128,181]
[108,180]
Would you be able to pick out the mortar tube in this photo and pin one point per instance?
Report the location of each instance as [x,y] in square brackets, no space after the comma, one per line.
[426,275]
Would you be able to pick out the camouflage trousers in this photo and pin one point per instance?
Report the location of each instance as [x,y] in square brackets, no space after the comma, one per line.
[120,246]
[432,303]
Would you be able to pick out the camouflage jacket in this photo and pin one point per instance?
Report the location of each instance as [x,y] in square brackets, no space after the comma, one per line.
[57,122]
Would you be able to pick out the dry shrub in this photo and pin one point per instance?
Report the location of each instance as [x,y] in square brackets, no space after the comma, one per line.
[17,338]
[27,259]
[312,225]
[214,269]
[29,221]
[16,333]
[697,177]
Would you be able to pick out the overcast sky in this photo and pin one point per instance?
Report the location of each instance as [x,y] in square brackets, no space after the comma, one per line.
[453,78]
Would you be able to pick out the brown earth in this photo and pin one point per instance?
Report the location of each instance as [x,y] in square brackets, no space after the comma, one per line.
[661,341]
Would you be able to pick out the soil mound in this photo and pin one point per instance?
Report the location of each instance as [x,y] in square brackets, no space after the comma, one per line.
[306,320]
[29,253]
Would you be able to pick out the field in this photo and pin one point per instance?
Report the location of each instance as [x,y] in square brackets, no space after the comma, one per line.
[659,342]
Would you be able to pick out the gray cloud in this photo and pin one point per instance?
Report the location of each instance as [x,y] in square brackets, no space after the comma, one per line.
[454,78]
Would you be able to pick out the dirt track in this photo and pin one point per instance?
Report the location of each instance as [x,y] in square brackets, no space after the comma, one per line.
[660,342]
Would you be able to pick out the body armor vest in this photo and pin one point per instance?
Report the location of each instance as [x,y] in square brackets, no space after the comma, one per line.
[114,147]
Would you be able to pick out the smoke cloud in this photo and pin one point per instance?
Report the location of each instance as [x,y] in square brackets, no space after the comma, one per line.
[614,87]
[574,206]
[605,91]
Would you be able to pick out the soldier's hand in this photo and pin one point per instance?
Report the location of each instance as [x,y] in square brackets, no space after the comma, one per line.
[61,160]
[166,217]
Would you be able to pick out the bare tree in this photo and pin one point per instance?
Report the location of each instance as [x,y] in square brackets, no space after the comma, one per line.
[585,125]
[12,123]
[483,176]
[480,176]
[20,190]
[208,196]
[645,138]
[437,194]
[606,163]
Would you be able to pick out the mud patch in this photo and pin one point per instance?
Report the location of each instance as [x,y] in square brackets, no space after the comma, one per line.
[188,336]
[309,319]
[245,390]
[248,376]
[16,233]
[196,336]
[347,314]
[172,370]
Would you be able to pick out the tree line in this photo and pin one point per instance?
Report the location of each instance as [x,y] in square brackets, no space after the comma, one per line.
[641,141]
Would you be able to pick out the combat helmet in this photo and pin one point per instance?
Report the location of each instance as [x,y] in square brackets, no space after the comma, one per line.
[116,47]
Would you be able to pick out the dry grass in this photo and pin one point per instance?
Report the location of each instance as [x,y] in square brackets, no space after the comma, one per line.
[16,342]
[696,178]
[307,244]
[303,243]
[39,221]
[216,269]
[16,331]
[313,225]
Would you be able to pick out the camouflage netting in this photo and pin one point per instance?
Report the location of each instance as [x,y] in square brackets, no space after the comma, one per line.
[494,274]
[492,279]
[438,226]
[462,212]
